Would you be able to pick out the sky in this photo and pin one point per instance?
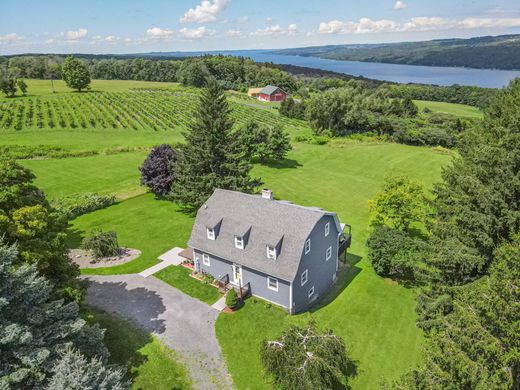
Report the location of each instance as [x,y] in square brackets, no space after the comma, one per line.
[129,26]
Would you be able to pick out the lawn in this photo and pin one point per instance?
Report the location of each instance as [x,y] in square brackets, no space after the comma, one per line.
[456,109]
[179,277]
[109,174]
[375,317]
[151,365]
[150,225]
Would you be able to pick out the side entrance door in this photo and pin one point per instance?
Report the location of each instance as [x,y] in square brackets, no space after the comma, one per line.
[237,275]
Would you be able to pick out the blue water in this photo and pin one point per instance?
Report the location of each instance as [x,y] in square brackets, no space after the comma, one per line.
[489,78]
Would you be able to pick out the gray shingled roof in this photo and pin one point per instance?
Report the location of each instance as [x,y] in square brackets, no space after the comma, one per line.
[270,89]
[268,220]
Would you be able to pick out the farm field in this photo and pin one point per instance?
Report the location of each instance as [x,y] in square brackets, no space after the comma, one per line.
[374,316]
[461,110]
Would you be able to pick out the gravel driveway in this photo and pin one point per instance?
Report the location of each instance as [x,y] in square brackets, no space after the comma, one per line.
[183,323]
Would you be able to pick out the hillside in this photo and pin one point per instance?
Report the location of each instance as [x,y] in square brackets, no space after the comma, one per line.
[500,52]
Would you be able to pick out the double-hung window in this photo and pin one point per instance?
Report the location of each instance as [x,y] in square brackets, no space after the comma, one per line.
[329,253]
[311,292]
[239,242]
[327,229]
[304,277]
[272,283]
[205,259]
[211,233]
[307,245]
[271,252]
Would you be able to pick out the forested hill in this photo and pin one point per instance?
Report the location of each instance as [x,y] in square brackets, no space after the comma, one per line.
[500,52]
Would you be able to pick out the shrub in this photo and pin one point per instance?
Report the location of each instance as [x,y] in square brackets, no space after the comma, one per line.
[101,244]
[157,170]
[73,206]
[232,299]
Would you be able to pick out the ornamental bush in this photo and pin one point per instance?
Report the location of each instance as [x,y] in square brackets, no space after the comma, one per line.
[101,244]
[232,299]
[73,206]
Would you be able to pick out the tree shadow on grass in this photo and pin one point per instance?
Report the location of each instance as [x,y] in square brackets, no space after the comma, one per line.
[346,274]
[74,238]
[129,317]
[283,164]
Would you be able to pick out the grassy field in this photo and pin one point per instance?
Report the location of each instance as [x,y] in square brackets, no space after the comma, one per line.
[375,316]
[461,110]
[151,365]
[179,277]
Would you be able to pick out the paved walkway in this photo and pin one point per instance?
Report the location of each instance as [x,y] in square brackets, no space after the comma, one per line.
[183,323]
[220,304]
[169,258]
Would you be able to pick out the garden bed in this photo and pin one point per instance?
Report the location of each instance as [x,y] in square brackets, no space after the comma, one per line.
[84,259]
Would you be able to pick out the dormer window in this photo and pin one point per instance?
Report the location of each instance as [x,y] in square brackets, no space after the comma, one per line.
[211,233]
[239,242]
[271,252]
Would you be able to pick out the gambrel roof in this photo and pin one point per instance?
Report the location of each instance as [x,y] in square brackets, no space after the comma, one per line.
[262,222]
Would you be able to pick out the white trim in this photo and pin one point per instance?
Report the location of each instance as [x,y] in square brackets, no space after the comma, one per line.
[271,252]
[290,298]
[210,232]
[306,273]
[239,242]
[269,278]
[235,280]
[205,260]
[307,245]
[328,253]
[310,293]
[327,229]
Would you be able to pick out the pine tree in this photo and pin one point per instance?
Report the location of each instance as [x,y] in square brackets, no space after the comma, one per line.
[35,327]
[211,157]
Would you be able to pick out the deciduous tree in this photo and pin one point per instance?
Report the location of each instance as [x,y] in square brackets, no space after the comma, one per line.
[157,170]
[75,73]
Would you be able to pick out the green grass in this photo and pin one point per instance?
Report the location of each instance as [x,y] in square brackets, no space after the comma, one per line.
[109,174]
[150,225]
[151,365]
[456,109]
[179,277]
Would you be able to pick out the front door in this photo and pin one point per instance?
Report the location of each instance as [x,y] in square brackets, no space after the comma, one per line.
[237,275]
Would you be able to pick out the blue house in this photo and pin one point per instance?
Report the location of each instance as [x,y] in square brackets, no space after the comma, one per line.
[279,251]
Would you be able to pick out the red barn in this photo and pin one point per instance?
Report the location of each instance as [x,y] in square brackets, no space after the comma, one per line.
[272,93]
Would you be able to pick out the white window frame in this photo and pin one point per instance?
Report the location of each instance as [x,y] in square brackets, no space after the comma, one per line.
[328,253]
[306,274]
[269,279]
[271,252]
[307,245]
[310,293]
[239,242]
[205,259]
[327,229]
[210,233]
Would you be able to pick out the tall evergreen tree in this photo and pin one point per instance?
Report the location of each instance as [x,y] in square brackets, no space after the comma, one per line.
[35,327]
[211,157]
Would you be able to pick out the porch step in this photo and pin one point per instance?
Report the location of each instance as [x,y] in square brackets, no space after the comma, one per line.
[220,304]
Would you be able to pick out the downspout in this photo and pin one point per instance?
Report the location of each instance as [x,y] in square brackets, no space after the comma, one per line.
[290,298]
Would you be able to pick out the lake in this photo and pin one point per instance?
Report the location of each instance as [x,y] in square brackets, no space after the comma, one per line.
[489,78]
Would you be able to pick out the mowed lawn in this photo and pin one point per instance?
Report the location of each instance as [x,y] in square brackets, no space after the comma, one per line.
[375,316]
[456,109]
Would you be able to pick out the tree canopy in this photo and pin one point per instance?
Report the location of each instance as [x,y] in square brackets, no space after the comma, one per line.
[75,73]
[157,170]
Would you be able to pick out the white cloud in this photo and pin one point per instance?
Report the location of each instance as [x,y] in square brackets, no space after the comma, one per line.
[205,12]
[11,39]
[243,19]
[158,33]
[234,33]
[268,31]
[74,35]
[292,29]
[421,23]
[399,5]
[196,33]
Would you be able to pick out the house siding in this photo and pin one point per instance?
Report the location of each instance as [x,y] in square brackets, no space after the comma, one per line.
[320,271]
[219,267]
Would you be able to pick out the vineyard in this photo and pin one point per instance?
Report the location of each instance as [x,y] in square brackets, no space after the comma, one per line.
[145,109]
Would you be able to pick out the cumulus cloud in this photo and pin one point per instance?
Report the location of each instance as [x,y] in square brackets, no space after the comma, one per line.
[159,33]
[196,33]
[234,33]
[11,39]
[292,29]
[73,35]
[268,31]
[421,23]
[399,5]
[205,12]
